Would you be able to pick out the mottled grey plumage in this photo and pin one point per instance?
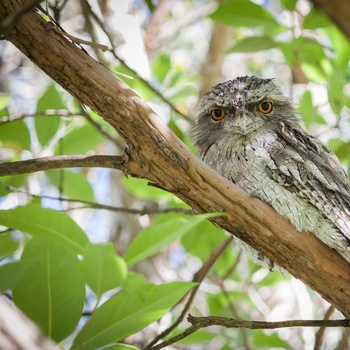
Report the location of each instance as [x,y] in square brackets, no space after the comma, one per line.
[269,155]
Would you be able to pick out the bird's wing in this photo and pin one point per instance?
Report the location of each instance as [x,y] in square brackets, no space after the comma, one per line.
[307,168]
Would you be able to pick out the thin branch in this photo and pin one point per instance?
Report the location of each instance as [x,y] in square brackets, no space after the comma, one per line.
[320,333]
[58,162]
[48,112]
[203,322]
[198,277]
[135,73]
[93,205]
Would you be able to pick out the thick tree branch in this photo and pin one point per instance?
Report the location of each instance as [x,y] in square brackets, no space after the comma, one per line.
[59,162]
[156,154]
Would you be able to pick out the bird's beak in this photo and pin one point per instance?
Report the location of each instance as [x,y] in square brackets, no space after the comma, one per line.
[244,123]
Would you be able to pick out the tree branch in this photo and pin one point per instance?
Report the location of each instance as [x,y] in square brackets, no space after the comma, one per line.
[156,154]
[203,322]
[338,11]
[59,162]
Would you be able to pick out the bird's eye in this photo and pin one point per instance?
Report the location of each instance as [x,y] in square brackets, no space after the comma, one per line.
[265,107]
[217,113]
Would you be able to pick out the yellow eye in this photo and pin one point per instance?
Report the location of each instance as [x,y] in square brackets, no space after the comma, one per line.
[217,113]
[265,107]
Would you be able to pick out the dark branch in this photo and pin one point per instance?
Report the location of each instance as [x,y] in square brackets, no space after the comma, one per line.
[59,162]
[203,322]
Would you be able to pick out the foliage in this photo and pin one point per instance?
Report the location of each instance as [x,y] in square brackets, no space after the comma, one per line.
[56,263]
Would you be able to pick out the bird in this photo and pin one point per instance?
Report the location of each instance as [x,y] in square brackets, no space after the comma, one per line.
[248,131]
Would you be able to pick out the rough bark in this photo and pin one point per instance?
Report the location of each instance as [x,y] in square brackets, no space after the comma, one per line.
[156,154]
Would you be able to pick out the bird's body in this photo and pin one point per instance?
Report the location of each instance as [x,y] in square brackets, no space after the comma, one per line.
[248,131]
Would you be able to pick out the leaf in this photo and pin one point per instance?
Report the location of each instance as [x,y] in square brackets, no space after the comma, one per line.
[269,341]
[47,126]
[253,44]
[289,4]
[120,347]
[341,46]
[161,66]
[151,240]
[243,13]
[308,112]
[52,290]
[315,19]
[7,245]
[74,185]
[125,314]
[10,274]
[45,223]
[15,135]
[80,140]
[141,189]
[103,268]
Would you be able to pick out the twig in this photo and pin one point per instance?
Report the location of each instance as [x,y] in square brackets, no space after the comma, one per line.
[48,112]
[203,322]
[320,333]
[137,75]
[93,205]
[59,162]
[198,277]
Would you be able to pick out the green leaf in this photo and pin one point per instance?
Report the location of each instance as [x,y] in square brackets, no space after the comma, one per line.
[42,222]
[14,181]
[74,185]
[289,4]
[341,46]
[4,100]
[151,240]
[140,188]
[51,291]
[243,13]
[120,347]
[269,341]
[125,314]
[15,135]
[103,268]
[80,140]
[10,275]
[47,126]
[336,96]
[315,19]
[7,245]
[161,66]
[308,112]
[253,44]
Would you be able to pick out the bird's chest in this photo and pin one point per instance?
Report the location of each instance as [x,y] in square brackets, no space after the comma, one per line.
[244,160]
